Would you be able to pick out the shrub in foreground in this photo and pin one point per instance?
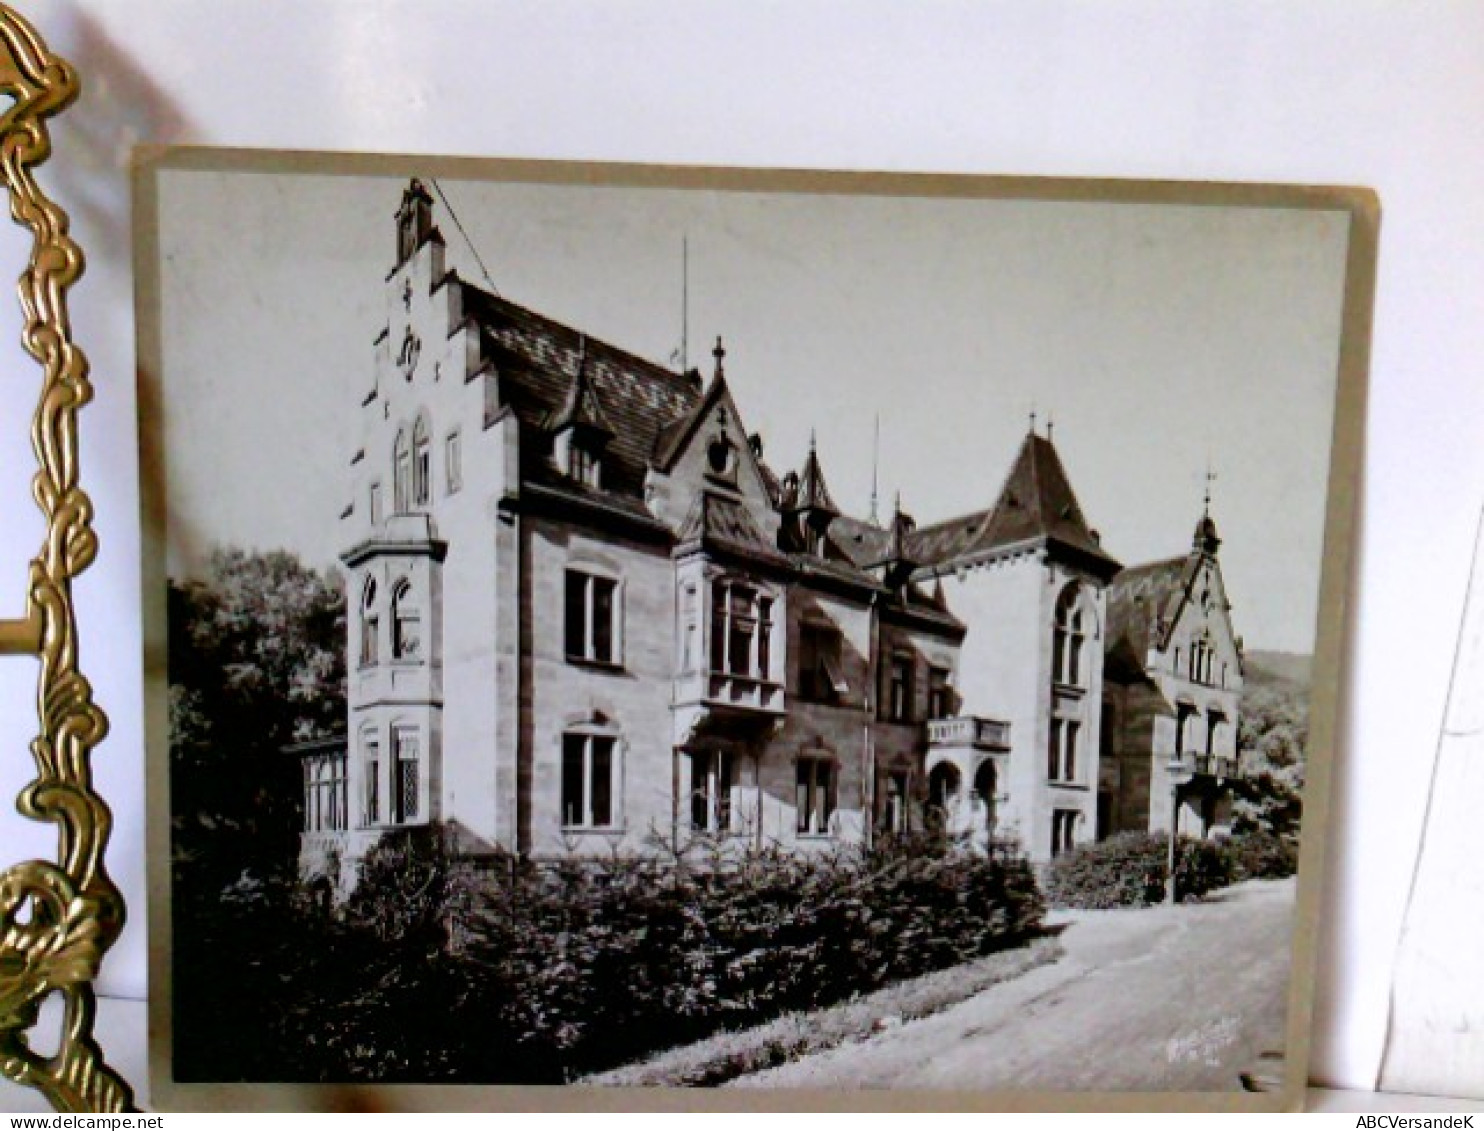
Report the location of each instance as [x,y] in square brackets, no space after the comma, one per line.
[1263,855]
[440,969]
[596,964]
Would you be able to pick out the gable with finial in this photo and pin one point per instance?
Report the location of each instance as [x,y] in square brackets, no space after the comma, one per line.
[709,448]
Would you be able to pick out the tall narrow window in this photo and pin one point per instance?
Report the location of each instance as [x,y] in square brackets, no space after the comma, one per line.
[688,629]
[764,637]
[453,462]
[590,631]
[814,795]
[1066,735]
[894,802]
[402,474]
[370,624]
[371,748]
[340,798]
[308,771]
[1183,714]
[406,782]
[582,464]
[821,673]
[422,464]
[375,504]
[1067,639]
[406,623]
[940,694]
[899,699]
[589,768]
[1063,830]
[712,780]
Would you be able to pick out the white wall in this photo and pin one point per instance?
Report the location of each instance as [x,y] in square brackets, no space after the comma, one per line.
[1352,91]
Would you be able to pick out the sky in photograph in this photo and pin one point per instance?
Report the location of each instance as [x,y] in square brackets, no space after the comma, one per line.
[1162,340]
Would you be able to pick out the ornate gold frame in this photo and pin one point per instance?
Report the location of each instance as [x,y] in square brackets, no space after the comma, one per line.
[56,919]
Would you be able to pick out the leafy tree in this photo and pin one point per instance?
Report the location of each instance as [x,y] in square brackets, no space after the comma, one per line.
[256,661]
[1273,739]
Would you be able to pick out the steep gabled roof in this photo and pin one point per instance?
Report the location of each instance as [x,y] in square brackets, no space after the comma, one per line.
[537,362]
[1143,601]
[814,492]
[1036,505]
[671,440]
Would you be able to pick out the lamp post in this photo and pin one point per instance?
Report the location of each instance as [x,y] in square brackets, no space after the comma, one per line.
[1179,774]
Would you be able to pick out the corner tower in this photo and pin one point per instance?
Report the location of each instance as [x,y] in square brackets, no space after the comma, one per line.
[1028,577]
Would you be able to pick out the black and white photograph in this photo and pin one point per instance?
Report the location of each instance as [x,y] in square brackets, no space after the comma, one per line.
[703,630]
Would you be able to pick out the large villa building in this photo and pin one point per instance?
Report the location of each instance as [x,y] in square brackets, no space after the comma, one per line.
[587,614]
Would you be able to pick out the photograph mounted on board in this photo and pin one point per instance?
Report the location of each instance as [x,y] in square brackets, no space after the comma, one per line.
[635,626]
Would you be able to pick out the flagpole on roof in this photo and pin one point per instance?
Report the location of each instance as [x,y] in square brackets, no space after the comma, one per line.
[875,465]
[454,216]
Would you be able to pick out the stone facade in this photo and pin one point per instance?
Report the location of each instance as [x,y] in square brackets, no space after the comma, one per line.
[586,616]
[1172,689]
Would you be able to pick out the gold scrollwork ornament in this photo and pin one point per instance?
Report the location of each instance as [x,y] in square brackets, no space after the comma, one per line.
[56,919]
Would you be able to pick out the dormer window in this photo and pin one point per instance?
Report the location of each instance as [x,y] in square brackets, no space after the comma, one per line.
[583,465]
[580,429]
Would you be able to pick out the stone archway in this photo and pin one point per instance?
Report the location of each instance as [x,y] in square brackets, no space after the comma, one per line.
[944,786]
[986,779]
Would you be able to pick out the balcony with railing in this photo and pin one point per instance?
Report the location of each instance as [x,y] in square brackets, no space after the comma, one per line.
[733,648]
[1210,766]
[730,690]
[969,730]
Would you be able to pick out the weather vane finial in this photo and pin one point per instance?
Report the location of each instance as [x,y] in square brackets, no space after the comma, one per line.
[719,353]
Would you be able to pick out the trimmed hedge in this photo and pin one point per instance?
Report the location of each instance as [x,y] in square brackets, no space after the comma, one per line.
[1263,855]
[1128,870]
[439,970]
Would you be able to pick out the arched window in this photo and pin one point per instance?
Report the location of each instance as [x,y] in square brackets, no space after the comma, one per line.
[370,624]
[1067,639]
[422,464]
[402,477]
[406,623]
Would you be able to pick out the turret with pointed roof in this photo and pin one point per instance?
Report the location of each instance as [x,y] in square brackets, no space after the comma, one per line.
[807,502]
[1036,508]
[900,560]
